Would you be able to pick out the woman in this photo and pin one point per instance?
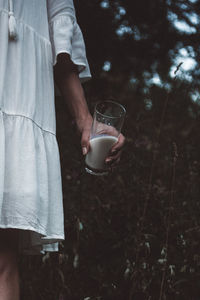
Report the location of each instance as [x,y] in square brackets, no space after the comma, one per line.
[38,39]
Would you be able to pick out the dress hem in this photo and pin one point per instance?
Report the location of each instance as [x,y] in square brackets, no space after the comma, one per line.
[44,237]
[45,241]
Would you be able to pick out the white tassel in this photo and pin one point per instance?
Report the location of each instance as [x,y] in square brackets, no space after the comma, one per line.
[12,26]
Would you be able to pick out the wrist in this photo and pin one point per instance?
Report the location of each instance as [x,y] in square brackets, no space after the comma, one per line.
[84,122]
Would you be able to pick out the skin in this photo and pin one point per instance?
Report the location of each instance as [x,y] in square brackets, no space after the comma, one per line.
[67,79]
[9,270]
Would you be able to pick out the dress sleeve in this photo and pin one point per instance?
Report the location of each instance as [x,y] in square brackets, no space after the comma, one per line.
[66,36]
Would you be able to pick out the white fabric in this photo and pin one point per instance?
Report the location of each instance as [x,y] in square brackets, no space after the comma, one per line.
[30,175]
[62,16]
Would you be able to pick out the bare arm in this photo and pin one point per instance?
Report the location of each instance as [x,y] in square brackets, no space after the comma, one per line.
[67,79]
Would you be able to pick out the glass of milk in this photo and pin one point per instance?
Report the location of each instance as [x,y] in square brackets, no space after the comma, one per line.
[107,123]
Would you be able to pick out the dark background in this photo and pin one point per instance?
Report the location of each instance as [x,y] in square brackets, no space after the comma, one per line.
[140,225]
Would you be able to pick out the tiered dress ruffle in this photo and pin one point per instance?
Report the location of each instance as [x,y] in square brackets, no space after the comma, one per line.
[30,175]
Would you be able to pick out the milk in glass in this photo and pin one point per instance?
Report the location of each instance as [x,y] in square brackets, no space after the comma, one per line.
[99,149]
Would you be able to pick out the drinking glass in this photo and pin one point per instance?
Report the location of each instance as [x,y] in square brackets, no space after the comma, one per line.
[107,123]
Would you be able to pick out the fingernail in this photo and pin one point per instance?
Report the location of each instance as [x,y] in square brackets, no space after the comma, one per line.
[108,160]
[84,150]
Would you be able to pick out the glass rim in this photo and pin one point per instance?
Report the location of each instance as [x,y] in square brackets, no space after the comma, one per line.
[113,102]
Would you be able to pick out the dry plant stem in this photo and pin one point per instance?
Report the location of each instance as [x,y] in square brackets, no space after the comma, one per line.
[150,188]
[153,163]
[148,194]
[169,219]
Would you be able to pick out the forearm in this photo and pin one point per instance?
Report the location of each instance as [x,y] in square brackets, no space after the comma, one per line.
[67,80]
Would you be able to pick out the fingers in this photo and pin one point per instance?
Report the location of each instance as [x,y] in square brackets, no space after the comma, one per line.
[85,145]
[115,152]
[114,164]
[114,158]
[118,146]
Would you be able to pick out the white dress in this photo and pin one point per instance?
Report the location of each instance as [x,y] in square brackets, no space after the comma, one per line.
[30,175]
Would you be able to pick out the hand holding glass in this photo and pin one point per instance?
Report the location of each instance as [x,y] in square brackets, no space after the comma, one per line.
[106,128]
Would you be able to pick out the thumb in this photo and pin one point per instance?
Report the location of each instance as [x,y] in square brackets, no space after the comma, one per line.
[85,141]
